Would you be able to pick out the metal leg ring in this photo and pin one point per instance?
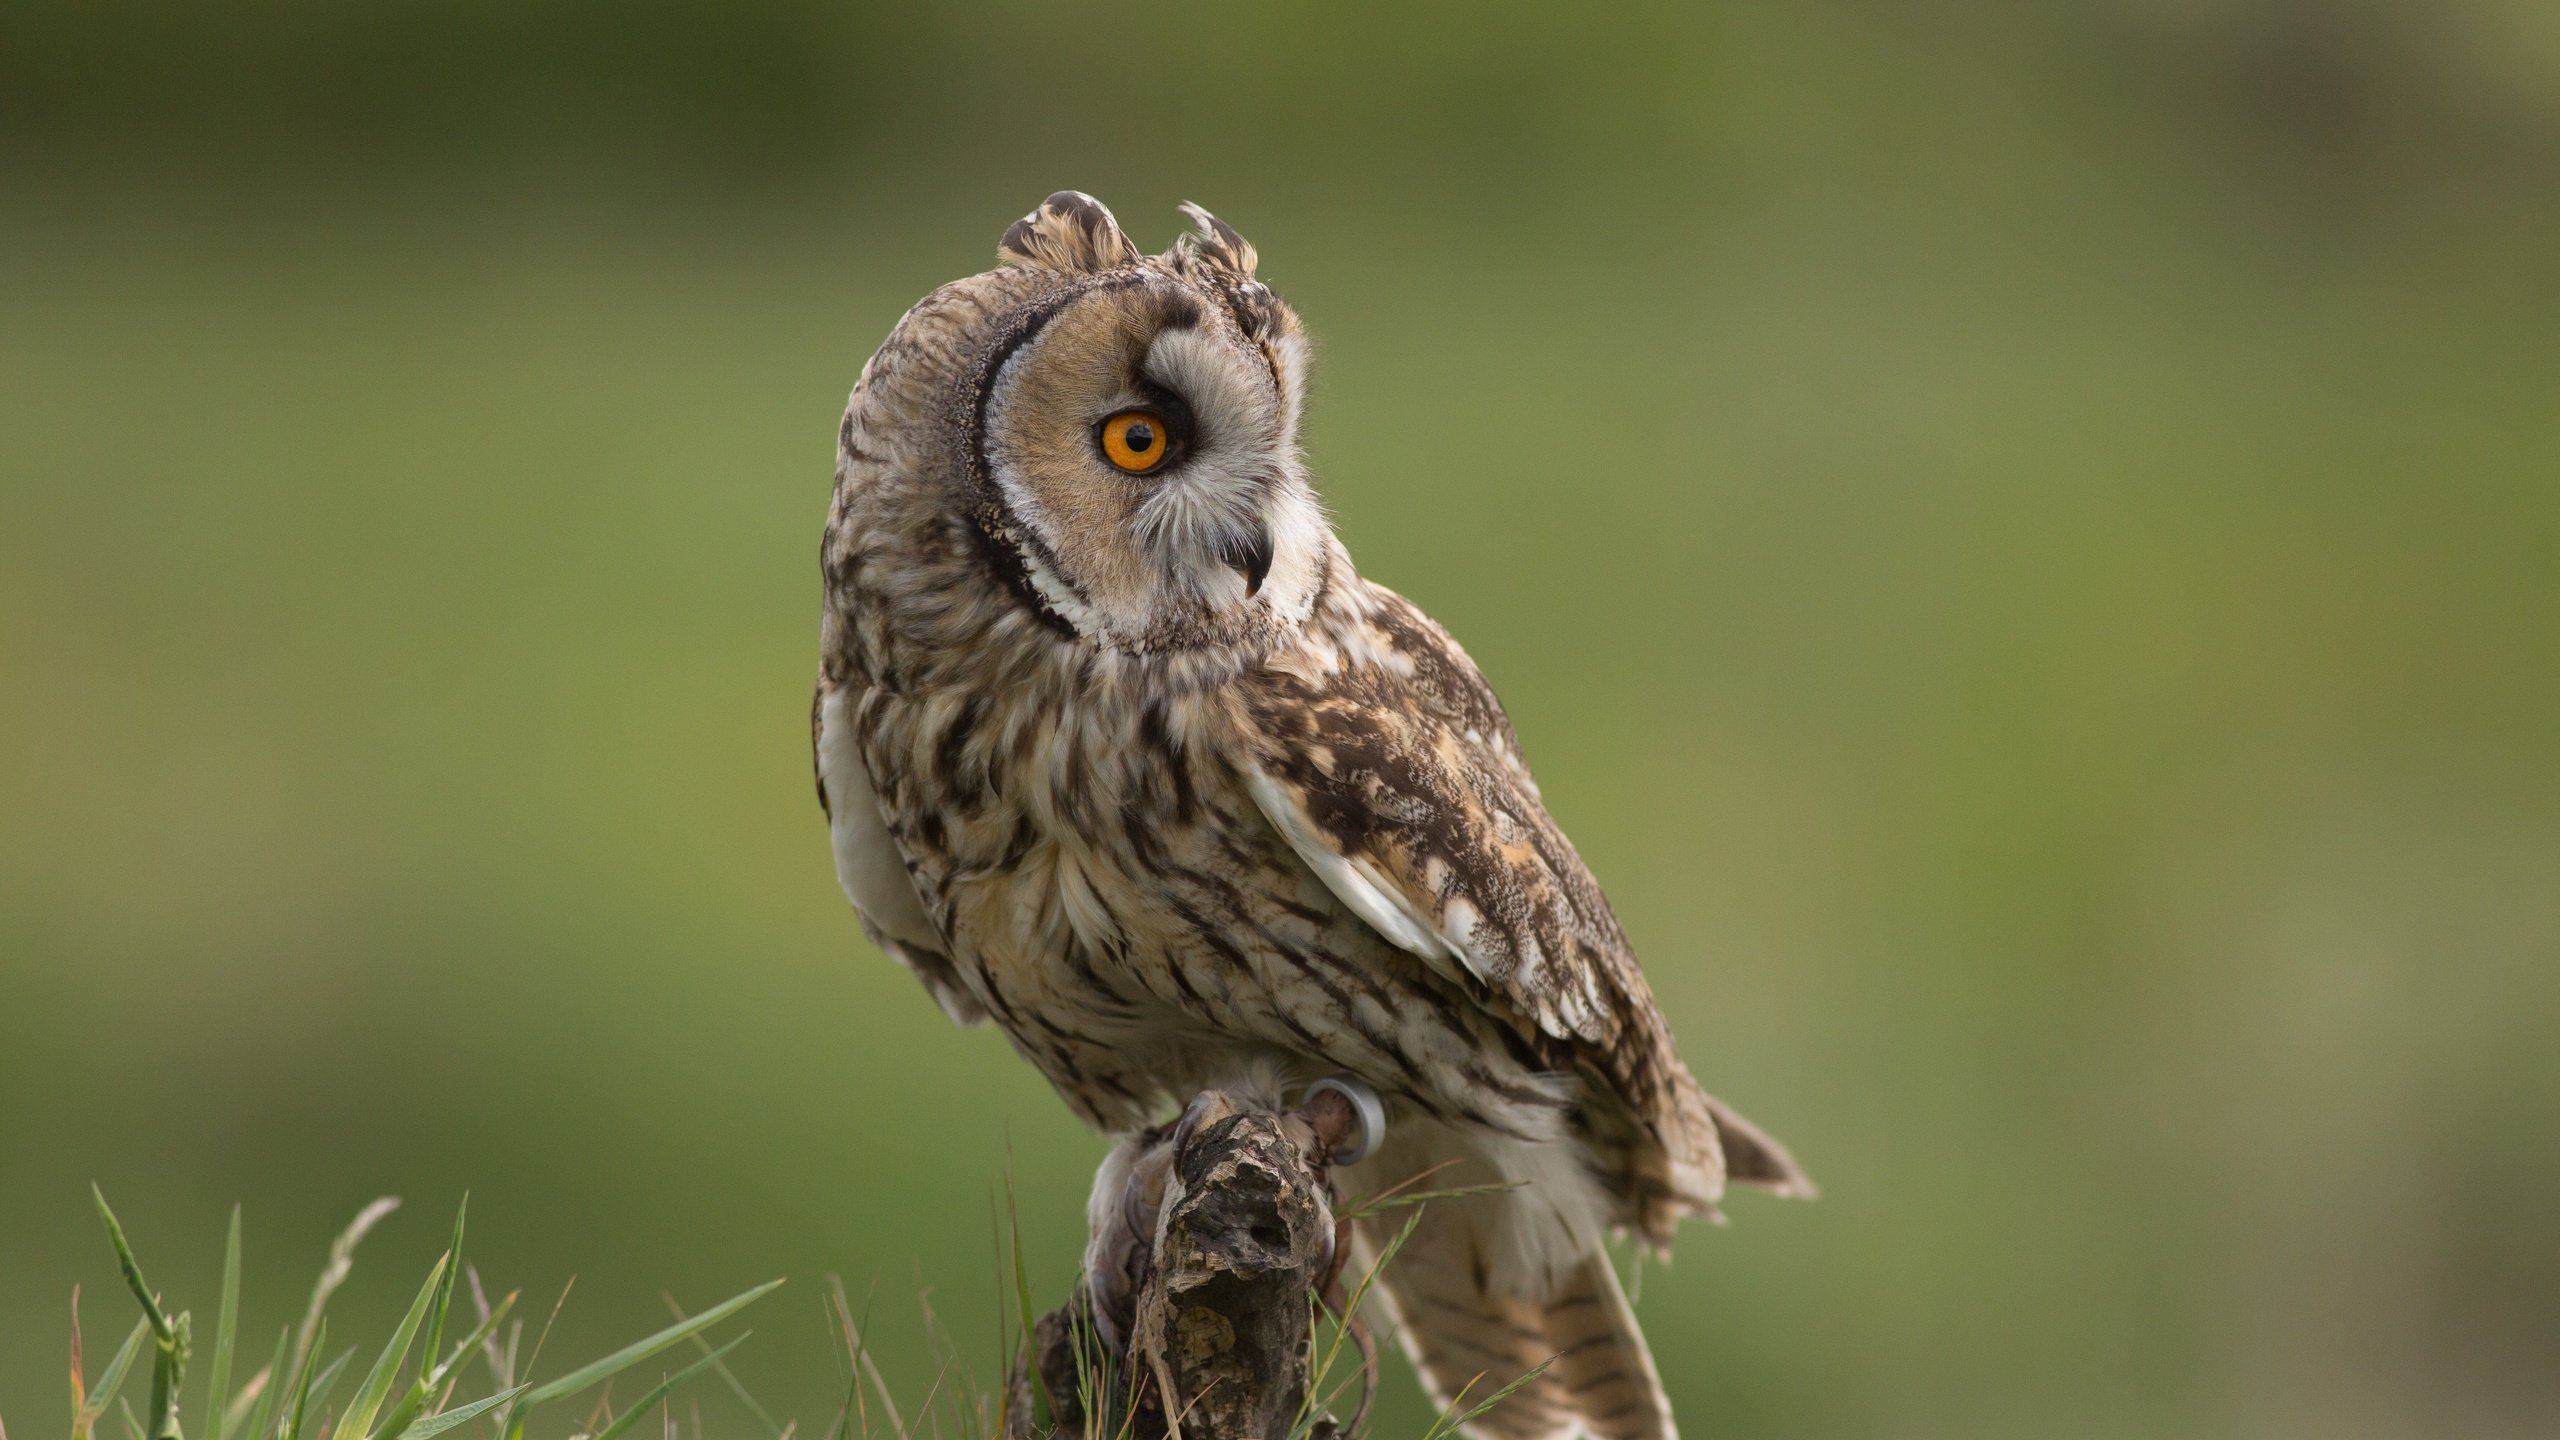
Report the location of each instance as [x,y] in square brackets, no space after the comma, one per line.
[1366,1108]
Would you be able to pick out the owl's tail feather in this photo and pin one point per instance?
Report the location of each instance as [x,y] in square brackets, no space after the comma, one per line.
[1468,1343]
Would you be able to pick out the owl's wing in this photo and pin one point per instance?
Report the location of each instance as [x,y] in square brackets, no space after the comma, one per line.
[867,864]
[1395,775]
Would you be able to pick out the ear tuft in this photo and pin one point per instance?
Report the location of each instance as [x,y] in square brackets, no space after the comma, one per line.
[1070,231]
[1217,245]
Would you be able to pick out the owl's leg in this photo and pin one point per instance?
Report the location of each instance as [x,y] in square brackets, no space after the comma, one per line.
[1120,1228]
[1349,1118]
[1350,1122]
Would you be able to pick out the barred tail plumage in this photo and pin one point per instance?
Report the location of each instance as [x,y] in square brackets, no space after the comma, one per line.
[1468,1342]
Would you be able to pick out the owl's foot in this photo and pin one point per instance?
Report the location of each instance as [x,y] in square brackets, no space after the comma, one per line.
[1348,1121]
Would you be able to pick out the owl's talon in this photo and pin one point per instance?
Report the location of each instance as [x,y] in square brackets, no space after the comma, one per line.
[1137,1212]
[1368,1118]
[1194,1115]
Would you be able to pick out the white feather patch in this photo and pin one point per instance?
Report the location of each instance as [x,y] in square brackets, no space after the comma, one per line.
[1355,883]
[868,865]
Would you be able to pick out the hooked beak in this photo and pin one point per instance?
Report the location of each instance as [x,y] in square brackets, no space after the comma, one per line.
[1250,555]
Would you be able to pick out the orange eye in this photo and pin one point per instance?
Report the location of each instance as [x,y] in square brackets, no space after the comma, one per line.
[1134,440]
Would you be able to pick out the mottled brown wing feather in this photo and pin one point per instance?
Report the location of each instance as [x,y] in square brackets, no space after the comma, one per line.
[1396,775]
[1406,770]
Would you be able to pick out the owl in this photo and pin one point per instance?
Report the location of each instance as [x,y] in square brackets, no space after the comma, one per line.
[1120,753]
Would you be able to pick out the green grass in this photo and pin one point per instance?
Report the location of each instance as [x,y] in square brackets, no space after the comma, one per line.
[475,1380]
[485,1378]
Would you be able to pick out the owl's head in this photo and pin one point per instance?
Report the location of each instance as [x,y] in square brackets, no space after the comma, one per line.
[1120,430]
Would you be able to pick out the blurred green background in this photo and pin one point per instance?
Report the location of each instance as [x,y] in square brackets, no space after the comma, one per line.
[2024,543]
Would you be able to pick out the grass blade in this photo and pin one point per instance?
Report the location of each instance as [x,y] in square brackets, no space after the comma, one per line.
[540,1340]
[168,1376]
[736,1386]
[342,1259]
[79,1393]
[218,1380]
[133,1280]
[255,1428]
[434,1425]
[1450,1421]
[319,1394]
[238,1409]
[858,1351]
[501,1363]
[1394,1200]
[290,1422]
[1048,1405]
[479,1338]
[444,1294]
[434,1377]
[639,1350]
[386,1366]
[1368,1278]
[103,1393]
[650,1401]
[169,1365]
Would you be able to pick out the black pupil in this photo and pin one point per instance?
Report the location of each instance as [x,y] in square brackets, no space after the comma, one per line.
[1140,437]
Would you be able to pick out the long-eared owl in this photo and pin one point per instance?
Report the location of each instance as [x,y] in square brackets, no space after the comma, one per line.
[1120,753]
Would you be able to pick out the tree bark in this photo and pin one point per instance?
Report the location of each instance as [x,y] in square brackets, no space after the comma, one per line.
[1199,1297]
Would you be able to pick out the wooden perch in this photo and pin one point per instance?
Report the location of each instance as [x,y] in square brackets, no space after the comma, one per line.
[1209,1239]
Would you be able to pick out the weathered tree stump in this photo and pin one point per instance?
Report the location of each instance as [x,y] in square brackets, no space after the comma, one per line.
[1210,1240]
